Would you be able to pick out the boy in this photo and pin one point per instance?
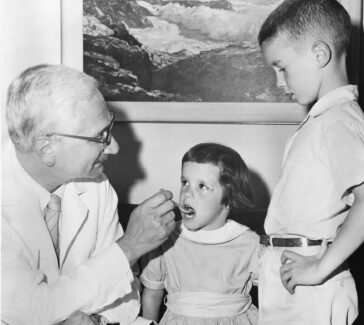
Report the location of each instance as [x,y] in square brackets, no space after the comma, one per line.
[317,208]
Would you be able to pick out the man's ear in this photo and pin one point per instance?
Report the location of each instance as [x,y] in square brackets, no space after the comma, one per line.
[45,149]
[322,52]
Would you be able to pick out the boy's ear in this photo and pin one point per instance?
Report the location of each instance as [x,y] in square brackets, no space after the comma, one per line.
[322,52]
[45,149]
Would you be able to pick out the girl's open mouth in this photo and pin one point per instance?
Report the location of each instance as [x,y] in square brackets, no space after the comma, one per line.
[187,210]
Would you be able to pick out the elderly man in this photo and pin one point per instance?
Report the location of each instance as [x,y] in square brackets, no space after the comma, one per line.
[63,251]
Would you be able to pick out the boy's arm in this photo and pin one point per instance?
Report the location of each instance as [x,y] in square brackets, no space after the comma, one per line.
[151,302]
[312,270]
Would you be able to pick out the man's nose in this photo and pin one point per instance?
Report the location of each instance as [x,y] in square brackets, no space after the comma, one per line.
[112,148]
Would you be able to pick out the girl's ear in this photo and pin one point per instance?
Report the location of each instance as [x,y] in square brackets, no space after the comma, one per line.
[45,149]
[322,52]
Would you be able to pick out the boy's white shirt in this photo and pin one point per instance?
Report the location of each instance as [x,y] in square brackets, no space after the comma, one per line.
[293,210]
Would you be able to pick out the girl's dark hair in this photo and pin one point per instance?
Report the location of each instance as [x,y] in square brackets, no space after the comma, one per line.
[234,174]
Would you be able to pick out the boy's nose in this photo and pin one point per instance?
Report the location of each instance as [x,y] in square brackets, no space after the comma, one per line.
[112,148]
[281,82]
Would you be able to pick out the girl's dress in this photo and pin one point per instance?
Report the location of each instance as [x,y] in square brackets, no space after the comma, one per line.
[207,274]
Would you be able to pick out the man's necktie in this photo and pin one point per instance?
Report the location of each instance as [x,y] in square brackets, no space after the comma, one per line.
[52,213]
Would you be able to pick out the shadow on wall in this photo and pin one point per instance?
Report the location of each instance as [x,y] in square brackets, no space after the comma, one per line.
[354,58]
[260,191]
[124,169]
[355,261]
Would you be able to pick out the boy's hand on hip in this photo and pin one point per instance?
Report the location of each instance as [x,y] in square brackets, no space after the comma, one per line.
[149,226]
[297,269]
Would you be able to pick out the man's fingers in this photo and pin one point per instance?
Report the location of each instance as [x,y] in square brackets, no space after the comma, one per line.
[158,204]
[79,318]
[164,209]
[158,198]
[168,217]
[170,226]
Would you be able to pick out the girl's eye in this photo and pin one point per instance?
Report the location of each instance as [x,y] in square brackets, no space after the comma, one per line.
[184,182]
[281,69]
[203,187]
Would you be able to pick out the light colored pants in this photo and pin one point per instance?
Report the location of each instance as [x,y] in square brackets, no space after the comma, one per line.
[331,303]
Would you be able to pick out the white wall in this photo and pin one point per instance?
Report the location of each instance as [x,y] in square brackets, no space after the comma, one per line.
[30,35]
[150,155]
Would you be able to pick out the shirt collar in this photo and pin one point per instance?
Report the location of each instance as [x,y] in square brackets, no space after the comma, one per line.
[333,98]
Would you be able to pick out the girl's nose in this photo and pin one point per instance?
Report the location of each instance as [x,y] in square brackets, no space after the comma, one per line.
[189,192]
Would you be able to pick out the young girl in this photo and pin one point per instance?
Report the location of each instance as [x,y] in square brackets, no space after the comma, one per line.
[208,264]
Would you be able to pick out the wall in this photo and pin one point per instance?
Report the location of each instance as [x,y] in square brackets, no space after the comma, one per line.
[150,153]
[30,34]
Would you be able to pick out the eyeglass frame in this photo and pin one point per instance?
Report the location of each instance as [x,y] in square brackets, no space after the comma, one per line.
[100,139]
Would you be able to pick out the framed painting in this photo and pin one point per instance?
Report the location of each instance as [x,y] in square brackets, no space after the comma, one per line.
[179,60]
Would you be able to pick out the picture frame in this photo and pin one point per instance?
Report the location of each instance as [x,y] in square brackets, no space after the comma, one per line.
[193,112]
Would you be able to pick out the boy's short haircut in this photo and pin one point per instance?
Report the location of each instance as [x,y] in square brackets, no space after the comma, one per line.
[234,174]
[302,18]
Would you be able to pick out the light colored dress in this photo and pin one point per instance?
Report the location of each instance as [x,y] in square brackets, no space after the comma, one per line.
[207,274]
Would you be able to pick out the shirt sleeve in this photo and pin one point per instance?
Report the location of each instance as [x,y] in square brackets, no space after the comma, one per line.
[344,140]
[153,270]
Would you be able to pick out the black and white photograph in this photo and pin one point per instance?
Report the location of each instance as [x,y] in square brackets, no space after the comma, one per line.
[182,162]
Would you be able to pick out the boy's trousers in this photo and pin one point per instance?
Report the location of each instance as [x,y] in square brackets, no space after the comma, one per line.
[331,303]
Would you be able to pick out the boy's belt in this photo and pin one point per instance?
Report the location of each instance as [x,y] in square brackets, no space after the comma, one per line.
[288,242]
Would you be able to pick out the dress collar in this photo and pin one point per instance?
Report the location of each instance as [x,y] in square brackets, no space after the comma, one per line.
[224,234]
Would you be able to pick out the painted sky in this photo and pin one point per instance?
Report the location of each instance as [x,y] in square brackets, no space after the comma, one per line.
[200,28]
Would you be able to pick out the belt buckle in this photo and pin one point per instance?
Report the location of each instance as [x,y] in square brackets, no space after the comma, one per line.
[271,241]
[304,242]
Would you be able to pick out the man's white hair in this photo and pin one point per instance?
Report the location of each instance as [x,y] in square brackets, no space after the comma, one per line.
[42,99]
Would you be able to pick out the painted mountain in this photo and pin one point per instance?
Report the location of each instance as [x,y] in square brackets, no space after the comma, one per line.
[178,50]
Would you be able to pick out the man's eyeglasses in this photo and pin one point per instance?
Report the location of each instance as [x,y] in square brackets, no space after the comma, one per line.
[104,138]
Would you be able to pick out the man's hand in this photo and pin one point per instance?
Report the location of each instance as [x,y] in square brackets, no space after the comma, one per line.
[301,270]
[79,318]
[149,226]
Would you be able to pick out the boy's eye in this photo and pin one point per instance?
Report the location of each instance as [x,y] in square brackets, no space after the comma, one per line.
[184,182]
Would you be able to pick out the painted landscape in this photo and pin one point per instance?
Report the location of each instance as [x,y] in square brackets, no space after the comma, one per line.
[178,50]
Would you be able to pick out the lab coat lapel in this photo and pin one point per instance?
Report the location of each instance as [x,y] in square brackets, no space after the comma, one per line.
[34,233]
[73,219]
[21,207]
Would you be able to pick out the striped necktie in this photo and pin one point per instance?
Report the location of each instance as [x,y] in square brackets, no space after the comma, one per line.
[52,212]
